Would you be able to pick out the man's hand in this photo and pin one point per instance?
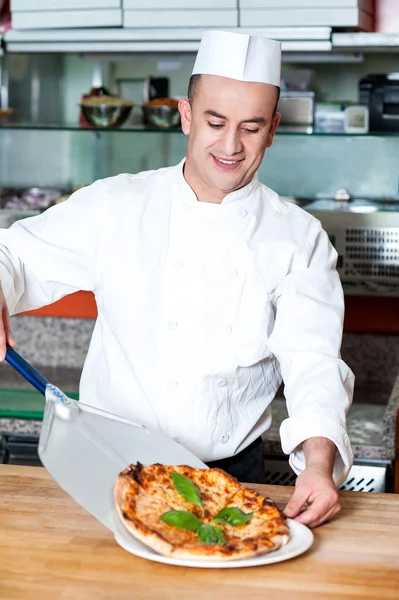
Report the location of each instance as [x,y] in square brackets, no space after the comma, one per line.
[5,327]
[315,499]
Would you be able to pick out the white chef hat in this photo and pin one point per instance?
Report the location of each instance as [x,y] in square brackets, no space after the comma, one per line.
[239,56]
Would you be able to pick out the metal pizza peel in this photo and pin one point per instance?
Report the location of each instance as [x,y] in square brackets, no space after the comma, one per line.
[84,448]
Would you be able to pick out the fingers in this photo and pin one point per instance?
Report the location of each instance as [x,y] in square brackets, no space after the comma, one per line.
[318,512]
[295,504]
[3,337]
[312,520]
[7,328]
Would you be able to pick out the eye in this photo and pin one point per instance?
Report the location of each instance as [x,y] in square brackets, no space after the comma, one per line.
[250,131]
[215,125]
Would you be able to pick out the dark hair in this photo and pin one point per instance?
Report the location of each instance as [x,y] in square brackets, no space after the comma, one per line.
[194,83]
[193,87]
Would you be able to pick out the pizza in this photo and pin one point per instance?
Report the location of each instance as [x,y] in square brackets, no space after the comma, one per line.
[205,514]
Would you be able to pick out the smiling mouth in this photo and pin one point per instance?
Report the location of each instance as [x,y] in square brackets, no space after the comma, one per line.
[225,163]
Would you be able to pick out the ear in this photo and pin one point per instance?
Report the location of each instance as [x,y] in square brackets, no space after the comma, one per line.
[272,130]
[185,114]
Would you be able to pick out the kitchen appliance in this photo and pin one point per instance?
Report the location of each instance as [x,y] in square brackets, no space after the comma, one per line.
[155,87]
[366,475]
[381,94]
[297,111]
[365,234]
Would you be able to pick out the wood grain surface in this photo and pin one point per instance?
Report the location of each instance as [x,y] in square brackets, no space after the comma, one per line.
[52,548]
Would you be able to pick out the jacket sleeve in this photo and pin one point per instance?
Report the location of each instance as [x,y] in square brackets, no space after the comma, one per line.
[46,257]
[306,341]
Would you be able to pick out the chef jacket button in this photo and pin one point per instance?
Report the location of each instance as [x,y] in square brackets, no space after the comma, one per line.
[172,384]
[172,324]
[177,264]
[233,271]
[227,329]
[221,382]
[224,438]
[243,212]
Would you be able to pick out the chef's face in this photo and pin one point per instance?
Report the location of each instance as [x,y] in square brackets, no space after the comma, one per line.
[229,124]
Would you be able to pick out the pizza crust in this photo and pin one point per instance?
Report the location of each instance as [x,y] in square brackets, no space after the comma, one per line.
[140,508]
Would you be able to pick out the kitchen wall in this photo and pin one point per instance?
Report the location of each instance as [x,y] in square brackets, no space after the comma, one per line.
[300,165]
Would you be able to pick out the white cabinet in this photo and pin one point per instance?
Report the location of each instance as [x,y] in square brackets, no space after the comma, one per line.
[39,5]
[66,19]
[180,18]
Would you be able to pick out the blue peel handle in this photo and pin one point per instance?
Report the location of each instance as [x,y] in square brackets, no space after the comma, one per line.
[26,370]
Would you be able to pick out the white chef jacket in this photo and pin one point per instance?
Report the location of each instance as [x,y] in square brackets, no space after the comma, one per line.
[202,309]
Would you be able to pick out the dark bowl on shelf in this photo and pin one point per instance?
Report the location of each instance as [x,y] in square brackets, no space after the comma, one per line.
[106,115]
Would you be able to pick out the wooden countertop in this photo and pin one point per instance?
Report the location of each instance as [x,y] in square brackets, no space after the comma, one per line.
[52,548]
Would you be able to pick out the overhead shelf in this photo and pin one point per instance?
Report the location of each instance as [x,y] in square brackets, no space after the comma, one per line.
[122,40]
[283,130]
[306,40]
[366,42]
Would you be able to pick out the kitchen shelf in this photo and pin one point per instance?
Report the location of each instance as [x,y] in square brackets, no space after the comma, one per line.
[156,40]
[186,40]
[140,128]
[366,42]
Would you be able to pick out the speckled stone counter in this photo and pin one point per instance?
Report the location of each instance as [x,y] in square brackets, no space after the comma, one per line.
[59,346]
[366,429]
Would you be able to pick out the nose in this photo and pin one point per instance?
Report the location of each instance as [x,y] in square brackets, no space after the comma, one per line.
[231,142]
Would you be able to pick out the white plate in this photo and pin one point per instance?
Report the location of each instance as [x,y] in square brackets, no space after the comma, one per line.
[300,541]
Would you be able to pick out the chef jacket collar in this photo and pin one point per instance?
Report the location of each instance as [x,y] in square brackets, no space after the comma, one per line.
[236,196]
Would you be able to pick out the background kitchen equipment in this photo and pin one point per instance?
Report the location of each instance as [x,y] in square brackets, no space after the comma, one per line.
[297,100]
[84,449]
[365,234]
[380,93]
[336,117]
[100,108]
[162,113]
[297,111]
[155,87]
[106,111]
[132,88]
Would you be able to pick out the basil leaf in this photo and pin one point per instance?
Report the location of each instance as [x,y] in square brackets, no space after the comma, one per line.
[182,520]
[210,535]
[233,516]
[186,488]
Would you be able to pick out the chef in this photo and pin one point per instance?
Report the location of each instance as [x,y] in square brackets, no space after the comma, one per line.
[210,290]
